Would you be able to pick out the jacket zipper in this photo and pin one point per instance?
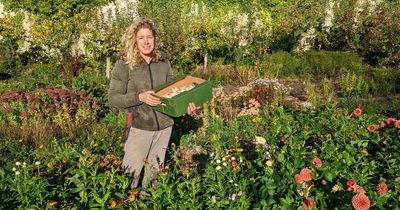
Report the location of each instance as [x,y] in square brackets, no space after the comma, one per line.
[152,86]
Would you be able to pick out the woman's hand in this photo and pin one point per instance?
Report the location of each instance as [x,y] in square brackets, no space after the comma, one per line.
[149,99]
[192,108]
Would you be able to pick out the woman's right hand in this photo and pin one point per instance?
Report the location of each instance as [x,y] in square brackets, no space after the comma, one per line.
[149,99]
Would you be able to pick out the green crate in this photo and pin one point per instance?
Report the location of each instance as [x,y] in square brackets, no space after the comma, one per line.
[177,105]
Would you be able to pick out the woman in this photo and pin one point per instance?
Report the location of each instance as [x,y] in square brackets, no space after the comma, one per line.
[140,69]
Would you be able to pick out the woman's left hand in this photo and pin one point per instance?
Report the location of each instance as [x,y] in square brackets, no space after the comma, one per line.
[192,108]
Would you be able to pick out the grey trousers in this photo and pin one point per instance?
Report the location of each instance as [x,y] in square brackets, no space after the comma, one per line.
[145,150]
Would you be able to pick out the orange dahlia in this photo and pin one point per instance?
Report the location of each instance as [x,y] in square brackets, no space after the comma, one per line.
[360,202]
[298,179]
[305,174]
[317,162]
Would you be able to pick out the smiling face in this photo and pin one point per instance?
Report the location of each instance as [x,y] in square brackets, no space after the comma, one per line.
[145,43]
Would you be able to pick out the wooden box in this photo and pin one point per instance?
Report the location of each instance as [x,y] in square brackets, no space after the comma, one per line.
[177,94]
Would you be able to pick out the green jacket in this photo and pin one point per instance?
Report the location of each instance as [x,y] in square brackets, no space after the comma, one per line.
[126,85]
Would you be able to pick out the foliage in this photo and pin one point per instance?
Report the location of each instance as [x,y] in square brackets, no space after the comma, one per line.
[49,111]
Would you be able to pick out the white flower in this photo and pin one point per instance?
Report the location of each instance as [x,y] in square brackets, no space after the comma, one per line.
[224,164]
[260,140]
[213,199]
[37,163]
[212,154]
[14,169]
[23,164]
[241,161]
[235,184]
[233,158]
[218,161]
[233,197]
[218,168]
[240,193]
[17,163]
[231,181]
[17,173]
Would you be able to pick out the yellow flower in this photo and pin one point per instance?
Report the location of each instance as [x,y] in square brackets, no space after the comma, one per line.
[256,120]
[336,188]
[270,163]
[133,195]
[314,151]
[113,204]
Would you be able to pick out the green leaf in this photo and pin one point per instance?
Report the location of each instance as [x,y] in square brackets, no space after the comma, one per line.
[329,175]
[281,158]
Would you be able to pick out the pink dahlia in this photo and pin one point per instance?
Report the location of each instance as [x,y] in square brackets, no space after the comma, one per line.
[397,124]
[390,120]
[360,202]
[382,188]
[372,127]
[357,112]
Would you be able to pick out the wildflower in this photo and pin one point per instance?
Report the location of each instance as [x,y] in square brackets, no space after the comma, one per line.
[397,124]
[383,124]
[239,150]
[17,173]
[260,140]
[218,161]
[233,197]
[213,199]
[323,182]
[282,139]
[133,195]
[310,203]
[358,189]
[113,204]
[14,169]
[360,202]
[270,163]
[357,112]
[317,162]
[382,188]
[305,174]
[233,158]
[372,127]
[390,120]
[37,163]
[17,163]
[350,183]
[231,181]
[336,188]
[23,164]
[305,206]
[298,179]
[218,168]
[364,152]
[52,203]
[314,151]
[224,164]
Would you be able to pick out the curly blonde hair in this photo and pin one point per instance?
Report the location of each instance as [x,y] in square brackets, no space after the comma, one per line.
[130,53]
